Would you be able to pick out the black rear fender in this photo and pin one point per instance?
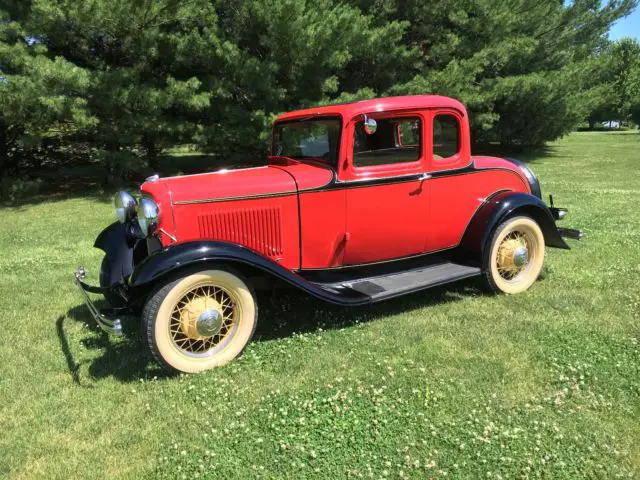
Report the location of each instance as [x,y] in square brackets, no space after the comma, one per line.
[495,211]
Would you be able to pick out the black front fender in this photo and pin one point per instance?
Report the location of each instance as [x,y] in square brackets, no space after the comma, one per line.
[496,210]
[116,242]
[158,267]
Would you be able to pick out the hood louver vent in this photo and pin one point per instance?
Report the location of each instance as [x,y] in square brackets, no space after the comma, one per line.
[256,228]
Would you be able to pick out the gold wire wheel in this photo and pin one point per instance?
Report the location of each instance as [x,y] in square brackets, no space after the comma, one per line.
[203,320]
[513,255]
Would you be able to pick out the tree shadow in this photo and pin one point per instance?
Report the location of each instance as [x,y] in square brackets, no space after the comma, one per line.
[93,180]
[97,194]
[283,312]
[194,163]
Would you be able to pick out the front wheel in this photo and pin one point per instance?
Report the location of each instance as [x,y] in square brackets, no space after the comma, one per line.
[515,255]
[200,321]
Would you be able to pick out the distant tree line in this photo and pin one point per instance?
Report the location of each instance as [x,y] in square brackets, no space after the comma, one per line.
[122,80]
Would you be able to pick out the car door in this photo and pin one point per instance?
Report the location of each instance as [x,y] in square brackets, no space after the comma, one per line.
[386,189]
[457,190]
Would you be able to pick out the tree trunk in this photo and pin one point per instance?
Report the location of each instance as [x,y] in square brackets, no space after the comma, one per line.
[150,146]
[8,159]
[4,149]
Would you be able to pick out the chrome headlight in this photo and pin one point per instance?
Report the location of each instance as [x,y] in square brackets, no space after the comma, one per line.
[148,214]
[125,206]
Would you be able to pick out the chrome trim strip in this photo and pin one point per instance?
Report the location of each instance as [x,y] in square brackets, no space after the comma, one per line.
[407,176]
[221,171]
[230,199]
[361,183]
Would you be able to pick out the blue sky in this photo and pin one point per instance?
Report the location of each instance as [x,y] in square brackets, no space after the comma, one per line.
[627,27]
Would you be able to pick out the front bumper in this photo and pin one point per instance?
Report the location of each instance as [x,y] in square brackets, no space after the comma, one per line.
[102,317]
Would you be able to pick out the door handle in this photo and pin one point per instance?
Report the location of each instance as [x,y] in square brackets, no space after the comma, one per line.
[424,176]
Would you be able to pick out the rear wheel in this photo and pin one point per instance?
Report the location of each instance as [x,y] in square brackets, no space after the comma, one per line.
[200,321]
[515,255]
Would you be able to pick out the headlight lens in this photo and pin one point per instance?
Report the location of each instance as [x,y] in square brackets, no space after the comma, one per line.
[125,206]
[148,213]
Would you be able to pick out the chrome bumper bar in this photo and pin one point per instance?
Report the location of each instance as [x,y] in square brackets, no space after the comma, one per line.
[571,233]
[110,326]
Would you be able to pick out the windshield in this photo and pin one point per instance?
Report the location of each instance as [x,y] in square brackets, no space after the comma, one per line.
[308,139]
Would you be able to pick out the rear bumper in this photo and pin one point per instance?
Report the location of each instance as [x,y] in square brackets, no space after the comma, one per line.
[571,233]
[559,214]
[104,318]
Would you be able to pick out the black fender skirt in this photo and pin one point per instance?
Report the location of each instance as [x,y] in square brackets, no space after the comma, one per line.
[495,210]
[159,266]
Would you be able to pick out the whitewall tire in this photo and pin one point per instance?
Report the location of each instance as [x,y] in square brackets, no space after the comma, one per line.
[200,321]
[515,255]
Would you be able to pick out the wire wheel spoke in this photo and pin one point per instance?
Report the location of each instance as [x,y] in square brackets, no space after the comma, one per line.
[205,299]
[511,245]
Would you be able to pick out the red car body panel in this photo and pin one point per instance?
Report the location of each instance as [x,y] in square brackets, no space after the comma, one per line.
[228,184]
[381,222]
[308,215]
[323,228]
[307,176]
[389,104]
[461,196]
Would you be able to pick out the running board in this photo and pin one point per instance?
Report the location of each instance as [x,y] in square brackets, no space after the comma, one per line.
[392,285]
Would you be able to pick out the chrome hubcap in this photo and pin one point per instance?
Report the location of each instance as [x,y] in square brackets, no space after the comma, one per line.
[209,323]
[521,256]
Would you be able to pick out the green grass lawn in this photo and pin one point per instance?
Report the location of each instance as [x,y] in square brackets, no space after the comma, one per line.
[450,382]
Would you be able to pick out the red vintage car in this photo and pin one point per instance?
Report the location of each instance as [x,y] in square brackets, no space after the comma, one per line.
[358,202]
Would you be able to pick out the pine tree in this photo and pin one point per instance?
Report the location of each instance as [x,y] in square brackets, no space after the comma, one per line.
[41,96]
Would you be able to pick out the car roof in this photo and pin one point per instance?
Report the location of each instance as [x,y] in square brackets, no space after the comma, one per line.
[351,109]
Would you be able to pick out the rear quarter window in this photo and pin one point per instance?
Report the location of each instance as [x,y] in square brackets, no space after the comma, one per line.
[446,137]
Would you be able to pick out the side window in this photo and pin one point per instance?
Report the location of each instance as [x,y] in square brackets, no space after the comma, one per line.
[396,140]
[446,137]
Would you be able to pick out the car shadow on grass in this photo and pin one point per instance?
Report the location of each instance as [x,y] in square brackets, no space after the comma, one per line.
[283,312]
[123,358]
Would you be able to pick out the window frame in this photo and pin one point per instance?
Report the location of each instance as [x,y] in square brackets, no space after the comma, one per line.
[354,172]
[337,117]
[454,161]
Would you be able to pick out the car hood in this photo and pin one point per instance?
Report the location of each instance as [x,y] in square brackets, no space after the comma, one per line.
[283,176]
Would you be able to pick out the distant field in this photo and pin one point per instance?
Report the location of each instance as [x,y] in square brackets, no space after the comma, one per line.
[450,382]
